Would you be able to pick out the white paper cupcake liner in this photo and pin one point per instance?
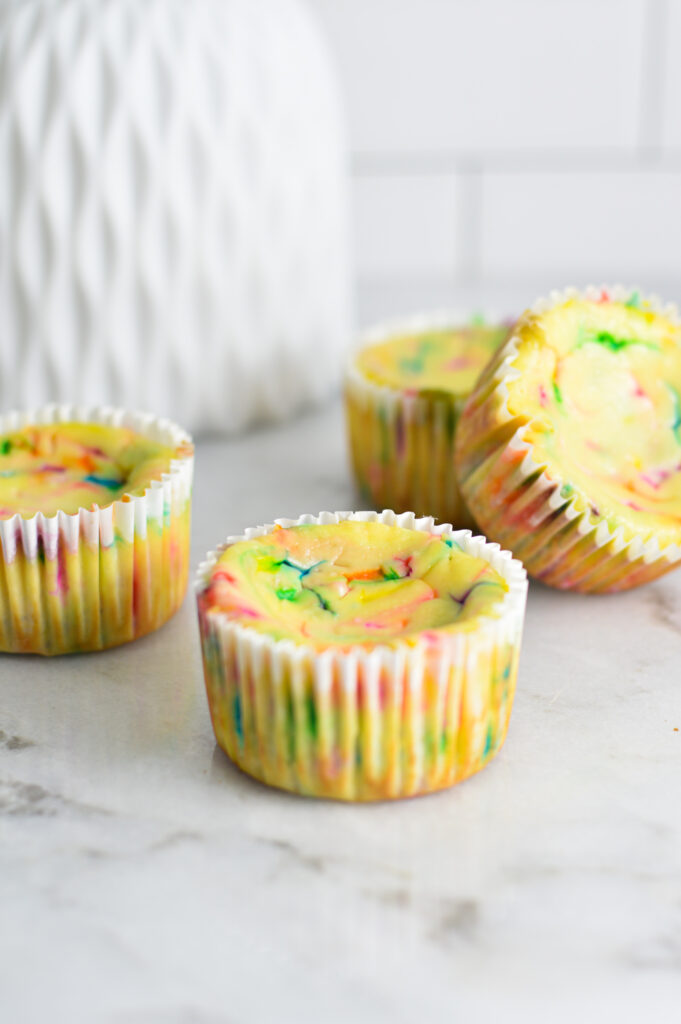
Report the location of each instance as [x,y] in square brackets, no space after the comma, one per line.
[395,720]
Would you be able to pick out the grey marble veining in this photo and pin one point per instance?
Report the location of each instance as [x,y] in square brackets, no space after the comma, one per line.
[144,879]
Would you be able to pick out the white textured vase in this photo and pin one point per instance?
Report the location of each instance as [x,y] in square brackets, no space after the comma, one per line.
[172,208]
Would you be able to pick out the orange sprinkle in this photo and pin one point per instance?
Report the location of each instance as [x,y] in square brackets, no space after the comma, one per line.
[364,574]
[87,463]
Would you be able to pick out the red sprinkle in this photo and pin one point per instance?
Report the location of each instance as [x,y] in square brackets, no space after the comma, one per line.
[222,574]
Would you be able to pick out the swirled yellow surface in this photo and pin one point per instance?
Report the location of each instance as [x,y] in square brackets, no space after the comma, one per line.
[67,466]
[351,583]
[599,384]
[438,360]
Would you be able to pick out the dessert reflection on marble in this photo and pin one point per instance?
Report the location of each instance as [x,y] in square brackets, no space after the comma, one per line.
[144,879]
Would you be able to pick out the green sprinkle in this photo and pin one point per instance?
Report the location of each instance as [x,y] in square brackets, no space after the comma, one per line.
[411,365]
[416,363]
[609,341]
[286,593]
[557,393]
[390,574]
[238,719]
[634,301]
[566,490]
[323,603]
[290,728]
[5,446]
[312,717]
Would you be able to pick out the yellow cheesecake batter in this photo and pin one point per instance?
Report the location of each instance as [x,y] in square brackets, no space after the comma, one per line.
[351,583]
[599,384]
[67,466]
[448,360]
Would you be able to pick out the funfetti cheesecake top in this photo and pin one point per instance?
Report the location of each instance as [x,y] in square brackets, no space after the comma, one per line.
[351,583]
[599,386]
[68,466]
[449,360]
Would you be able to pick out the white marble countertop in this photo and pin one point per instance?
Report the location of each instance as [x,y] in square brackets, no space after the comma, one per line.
[144,879]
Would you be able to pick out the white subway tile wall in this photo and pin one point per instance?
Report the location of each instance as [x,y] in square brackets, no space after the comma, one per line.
[416,218]
[606,225]
[502,147]
[671,61]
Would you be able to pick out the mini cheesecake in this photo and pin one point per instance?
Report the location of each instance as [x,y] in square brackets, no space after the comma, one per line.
[94,525]
[569,449]
[404,391]
[360,656]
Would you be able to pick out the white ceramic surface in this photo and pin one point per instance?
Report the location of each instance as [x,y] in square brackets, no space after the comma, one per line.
[172,208]
[143,880]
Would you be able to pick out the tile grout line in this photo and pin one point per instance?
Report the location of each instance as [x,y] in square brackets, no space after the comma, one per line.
[653,66]
[439,163]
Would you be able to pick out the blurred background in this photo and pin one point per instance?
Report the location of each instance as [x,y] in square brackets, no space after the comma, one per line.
[200,201]
[500,149]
